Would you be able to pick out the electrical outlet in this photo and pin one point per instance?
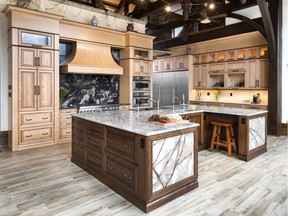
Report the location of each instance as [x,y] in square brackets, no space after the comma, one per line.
[208,93]
[230,94]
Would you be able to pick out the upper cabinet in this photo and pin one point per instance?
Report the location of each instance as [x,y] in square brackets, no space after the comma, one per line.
[175,63]
[33,39]
[242,68]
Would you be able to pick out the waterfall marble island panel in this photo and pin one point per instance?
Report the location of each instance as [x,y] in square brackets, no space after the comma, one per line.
[150,164]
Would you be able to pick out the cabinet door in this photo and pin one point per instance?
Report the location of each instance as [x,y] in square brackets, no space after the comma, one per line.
[196,80]
[263,73]
[145,68]
[27,90]
[45,90]
[45,59]
[27,58]
[252,70]
[198,118]
[137,67]
[204,73]
[181,63]
[168,64]
[158,65]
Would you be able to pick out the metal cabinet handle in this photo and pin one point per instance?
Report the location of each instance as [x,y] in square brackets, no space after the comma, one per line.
[28,119]
[142,69]
[44,118]
[109,166]
[127,176]
[128,146]
[68,117]
[67,123]
[44,134]
[68,132]
[28,136]
[110,140]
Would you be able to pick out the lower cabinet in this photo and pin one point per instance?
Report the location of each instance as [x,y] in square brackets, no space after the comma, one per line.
[198,118]
[134,165]
[65,124]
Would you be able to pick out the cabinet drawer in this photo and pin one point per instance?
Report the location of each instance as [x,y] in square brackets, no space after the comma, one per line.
[36,135]
[94,131]
[94,160]
[122,172]
[122,144]
[66,123]
[67,111]
[65,132]
[78,150]
[36,119]
[94,143]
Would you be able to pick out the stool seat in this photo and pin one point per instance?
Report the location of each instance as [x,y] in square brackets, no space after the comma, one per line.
[230,139]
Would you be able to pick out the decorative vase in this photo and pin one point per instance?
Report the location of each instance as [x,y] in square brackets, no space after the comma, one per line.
[94,21]
[130,27]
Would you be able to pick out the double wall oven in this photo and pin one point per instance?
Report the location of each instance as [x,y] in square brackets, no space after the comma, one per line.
[141,91]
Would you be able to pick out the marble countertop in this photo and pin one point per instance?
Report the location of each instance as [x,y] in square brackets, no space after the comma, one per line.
[224,102]
[132,121]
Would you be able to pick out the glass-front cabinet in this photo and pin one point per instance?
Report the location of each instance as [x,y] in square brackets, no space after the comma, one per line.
[36,39]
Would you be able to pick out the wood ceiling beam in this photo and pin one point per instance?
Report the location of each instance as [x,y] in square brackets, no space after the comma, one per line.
[220,32]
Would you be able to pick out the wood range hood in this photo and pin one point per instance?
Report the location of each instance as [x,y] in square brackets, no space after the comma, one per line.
[91,58]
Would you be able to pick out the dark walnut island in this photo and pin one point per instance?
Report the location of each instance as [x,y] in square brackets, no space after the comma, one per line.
[147,164]
[150,164]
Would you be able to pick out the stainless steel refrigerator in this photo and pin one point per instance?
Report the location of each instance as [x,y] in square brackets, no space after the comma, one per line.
[166,85]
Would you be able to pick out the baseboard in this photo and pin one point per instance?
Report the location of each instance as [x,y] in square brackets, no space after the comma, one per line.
[284,129]
[3,138]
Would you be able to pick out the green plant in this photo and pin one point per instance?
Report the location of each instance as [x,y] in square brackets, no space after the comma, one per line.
[62,93]
[217,94]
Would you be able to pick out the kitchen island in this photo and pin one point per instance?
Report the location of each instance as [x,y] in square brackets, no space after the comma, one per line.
[150,164]
[147,164]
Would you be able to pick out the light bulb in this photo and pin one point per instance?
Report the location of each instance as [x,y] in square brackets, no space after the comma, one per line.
[211,6]
[167,8]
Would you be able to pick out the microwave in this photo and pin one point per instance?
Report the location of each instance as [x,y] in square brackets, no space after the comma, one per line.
[141,83]
[141,99]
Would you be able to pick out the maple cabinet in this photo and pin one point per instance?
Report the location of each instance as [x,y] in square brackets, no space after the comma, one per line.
[141,67]
[244,68]
[65,124]
[176,63]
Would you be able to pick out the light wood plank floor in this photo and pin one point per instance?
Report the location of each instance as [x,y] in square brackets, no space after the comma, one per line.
[43,181]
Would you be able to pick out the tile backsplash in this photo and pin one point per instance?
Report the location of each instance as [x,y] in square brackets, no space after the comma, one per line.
[86,89]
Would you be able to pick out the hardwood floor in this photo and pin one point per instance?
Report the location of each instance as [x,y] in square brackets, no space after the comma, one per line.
[43,181]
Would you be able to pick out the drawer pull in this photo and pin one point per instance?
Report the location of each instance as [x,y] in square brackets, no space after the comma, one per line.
[67,123]
[68,117]
[28,136]
[44,118]
[68,111]
[68,132]
[128,146]
[109,166]
[110,140]
[127,176]
[44,134]
[28,119]
[93,132]
[92,142]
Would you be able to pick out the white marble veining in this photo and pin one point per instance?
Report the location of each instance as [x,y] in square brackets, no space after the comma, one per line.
[130,120]
[173,160]
[257,131]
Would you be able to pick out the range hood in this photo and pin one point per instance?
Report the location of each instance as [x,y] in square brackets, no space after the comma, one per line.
[91,58]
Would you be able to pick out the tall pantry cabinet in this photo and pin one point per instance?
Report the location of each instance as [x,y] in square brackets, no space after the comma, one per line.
[33,47]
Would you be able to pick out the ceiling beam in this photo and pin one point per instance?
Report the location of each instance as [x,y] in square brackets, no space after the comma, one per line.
[220,32]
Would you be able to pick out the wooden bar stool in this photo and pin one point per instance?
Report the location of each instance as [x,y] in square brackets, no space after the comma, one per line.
[230,138]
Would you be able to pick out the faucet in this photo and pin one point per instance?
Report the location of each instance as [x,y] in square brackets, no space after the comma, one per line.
[173,104]
[157,102]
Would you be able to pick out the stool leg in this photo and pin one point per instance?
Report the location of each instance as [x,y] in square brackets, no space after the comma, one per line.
[213,138]
[218,136]
[233,139]
[228,141]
